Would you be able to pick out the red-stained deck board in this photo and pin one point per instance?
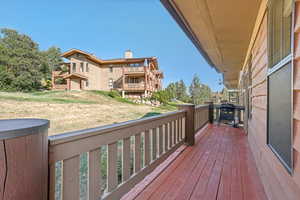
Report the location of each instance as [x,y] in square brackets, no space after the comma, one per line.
[182,173]
[185,157]
[220,166]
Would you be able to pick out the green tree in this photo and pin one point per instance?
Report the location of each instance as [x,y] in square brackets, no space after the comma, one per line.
[181,90]
[162,96]
[52,60]
[171,90]
[178,90]
[23,66]
[199,92]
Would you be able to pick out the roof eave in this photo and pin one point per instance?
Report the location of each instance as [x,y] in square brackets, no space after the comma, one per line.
[187,30]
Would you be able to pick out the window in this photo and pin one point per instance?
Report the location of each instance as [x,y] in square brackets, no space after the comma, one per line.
[81,67]
[111,83]
[250,92]
[133,80]
[87,83]
[279,135]
[87,67]
[280,21]
[110,69]
[74,67]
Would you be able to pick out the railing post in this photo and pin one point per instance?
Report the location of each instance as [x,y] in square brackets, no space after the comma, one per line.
[210,111]
[189,123]
[24,159]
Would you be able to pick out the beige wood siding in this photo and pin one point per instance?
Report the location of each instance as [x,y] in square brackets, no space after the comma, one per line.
[93,75]
[75,84]
[99,75]
[278,183]
[106,75]
[297,94]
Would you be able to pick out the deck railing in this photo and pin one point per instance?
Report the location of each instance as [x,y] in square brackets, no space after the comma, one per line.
[140,69]
[134,86]
[136,147]
[108,161]
[201,116]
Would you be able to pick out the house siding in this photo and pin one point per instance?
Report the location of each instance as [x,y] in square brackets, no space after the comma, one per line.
[278,183]
[94,74]
[99,74]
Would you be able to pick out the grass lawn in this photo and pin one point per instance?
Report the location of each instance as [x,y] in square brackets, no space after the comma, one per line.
[74,110]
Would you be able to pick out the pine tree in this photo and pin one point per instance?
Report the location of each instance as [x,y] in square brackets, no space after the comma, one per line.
[199,92]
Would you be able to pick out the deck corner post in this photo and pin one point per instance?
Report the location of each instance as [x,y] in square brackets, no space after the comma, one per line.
[189,123]
[210,111]
[24,148]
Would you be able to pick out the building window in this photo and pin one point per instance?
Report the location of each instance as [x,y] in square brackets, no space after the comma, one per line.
[111,69]
[111,83]
[279,110]
[87,83]
[133,80]
[249,91]
[87,67]
[81,67]
[280,21]
[73,67]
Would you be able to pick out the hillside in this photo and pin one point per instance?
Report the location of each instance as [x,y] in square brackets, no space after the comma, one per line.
[73,110]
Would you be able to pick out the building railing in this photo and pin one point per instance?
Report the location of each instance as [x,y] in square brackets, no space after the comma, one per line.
[134,86]
[108,161]
[60,87]
[134,69]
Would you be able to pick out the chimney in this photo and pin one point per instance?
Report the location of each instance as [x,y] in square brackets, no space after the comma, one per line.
[128,54]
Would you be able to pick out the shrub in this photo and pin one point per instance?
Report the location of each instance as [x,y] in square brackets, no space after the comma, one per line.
[114,94]
[161,96]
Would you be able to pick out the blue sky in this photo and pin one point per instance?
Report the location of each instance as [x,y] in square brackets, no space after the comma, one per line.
[107,28]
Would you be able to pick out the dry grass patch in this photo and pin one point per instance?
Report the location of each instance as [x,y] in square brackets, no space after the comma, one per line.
[69,111]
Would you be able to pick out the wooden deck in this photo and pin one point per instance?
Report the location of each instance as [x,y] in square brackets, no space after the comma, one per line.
[219,166]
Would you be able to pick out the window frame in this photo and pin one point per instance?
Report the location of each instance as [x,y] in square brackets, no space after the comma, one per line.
[87,69]
[74,67]
[270,71]
[82,67]
[111,83]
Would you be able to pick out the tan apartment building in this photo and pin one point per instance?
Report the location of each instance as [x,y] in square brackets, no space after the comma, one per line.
[133,77]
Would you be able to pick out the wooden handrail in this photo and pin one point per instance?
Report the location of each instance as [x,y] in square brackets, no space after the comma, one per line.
[201,106]
[99,163]
[201,116]
[166,133]
[77,135]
